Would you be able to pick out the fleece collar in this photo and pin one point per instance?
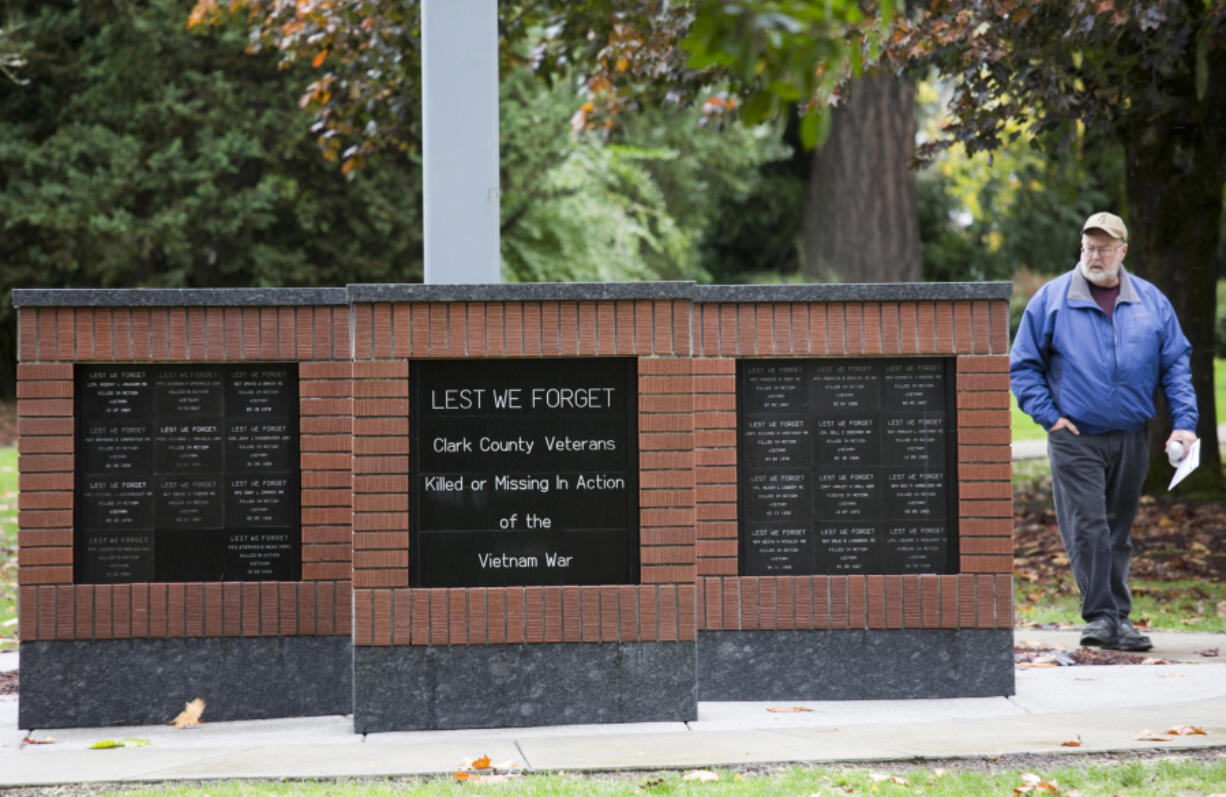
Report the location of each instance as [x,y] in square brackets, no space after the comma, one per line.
[1079,288]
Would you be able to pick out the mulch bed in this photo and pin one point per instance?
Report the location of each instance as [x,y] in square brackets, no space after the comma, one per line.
[8,682]
[1172,539]
[1035,656]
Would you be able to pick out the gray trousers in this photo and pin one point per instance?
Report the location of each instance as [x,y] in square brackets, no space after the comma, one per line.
[1096,483]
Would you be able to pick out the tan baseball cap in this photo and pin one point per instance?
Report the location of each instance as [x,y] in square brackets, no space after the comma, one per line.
[1109,223]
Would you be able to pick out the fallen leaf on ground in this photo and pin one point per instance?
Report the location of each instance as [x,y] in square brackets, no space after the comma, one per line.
[1172,675]
[44,740]
[700,775]
[105,744]
[1208,652]
[190,715]
[480,770]
[1156,661]
[1032,782]
[1186,730]
[787,709]
[1072,743]
[1146,735]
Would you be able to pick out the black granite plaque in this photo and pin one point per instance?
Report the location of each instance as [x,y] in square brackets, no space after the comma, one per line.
[780,550]
[188,448]
[109,556]
[116,392]
[193,502]
[847,466]
[524,472]
[187,473]
[262,555]
[117,448]
[184,393]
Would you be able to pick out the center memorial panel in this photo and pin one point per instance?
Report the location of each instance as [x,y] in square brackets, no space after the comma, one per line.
[187,473]
[847,466]
[524,472]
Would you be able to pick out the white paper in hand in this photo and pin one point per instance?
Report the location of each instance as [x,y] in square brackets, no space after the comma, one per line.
[1186,465]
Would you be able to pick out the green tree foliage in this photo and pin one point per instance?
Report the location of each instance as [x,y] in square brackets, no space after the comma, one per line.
[1148,74]
[989,216]
[139,154]
[142,153]
[665,198]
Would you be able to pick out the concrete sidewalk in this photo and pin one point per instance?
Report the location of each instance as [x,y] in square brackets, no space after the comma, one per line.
[1106,707]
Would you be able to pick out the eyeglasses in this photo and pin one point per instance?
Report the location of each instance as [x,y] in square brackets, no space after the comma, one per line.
[1101,251]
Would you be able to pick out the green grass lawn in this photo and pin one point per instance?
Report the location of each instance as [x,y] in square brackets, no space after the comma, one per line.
[1161,605]
[1152,777]
[8,547]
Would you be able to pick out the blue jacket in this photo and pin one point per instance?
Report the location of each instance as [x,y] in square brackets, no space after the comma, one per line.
[1069,359]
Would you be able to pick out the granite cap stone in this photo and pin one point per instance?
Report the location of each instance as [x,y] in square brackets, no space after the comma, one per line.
[508,292]
[854,292]
[178,297]
[519,291]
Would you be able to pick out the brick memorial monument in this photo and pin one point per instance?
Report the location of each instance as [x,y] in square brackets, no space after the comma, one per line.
[598,502]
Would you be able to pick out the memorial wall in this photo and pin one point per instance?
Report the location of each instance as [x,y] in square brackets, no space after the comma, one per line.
[582,494]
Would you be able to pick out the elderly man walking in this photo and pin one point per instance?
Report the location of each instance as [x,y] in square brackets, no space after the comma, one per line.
[1092,347]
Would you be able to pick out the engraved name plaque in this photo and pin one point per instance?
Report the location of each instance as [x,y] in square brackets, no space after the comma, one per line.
[187,473]
[847,466]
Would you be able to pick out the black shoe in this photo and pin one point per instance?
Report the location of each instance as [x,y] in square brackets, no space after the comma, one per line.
[1100,632]
[1129,638]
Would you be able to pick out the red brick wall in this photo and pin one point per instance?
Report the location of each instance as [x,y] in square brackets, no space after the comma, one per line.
[354,415]
[51,340]
[976,333]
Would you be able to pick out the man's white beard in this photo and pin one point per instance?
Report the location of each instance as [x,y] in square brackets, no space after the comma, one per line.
[1103,279]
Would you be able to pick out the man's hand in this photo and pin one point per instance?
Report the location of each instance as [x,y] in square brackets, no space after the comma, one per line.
[1181,436]
[1065,423]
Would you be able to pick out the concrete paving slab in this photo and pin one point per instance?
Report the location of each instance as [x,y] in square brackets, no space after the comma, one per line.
[335,730]
[695,749]
[734,715]
[327,761]
[75,766]
[1029,449]
[1117,687]
[1180,646]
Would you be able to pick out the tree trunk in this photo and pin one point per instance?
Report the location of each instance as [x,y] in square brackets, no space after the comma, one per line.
[860,221]
[1174,180]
